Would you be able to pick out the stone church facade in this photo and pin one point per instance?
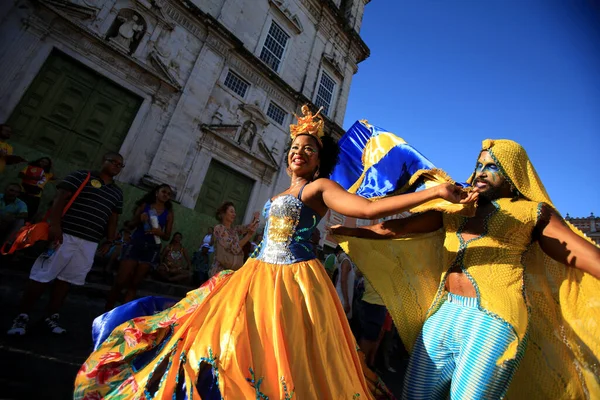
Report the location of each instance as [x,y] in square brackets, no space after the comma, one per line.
[198,94]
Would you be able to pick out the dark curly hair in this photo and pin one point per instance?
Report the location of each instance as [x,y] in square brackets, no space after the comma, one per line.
[328,155]
[222,210]
[36,163]
[150,197]
[175,234]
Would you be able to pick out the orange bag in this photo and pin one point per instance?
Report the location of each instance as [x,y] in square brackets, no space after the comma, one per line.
[30,234]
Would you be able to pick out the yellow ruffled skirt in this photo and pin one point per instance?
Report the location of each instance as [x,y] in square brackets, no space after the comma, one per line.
[265,331]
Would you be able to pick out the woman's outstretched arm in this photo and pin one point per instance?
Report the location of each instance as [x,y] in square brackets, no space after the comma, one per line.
[429,221]
[351,205]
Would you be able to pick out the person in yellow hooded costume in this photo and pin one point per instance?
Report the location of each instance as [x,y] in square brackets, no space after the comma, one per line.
[505,309]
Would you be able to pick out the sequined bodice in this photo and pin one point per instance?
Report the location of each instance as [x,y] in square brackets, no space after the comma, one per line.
[286,239]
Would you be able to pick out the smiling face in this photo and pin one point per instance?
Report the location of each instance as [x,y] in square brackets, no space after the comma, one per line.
[303,157]
[229,215]
[489,181]
[164,194]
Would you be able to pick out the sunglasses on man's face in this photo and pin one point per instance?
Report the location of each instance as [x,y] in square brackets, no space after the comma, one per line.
[116,163]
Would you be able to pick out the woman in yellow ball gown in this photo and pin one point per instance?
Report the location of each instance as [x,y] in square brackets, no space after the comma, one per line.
[275,328]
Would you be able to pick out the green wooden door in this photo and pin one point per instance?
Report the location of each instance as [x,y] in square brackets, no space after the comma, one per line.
[224,184]
[73,113]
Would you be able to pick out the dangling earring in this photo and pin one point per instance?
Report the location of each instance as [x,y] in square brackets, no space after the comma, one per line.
[289,171]
[316,175]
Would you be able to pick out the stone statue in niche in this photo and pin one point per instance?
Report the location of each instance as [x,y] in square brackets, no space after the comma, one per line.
[247,134]
[127,30]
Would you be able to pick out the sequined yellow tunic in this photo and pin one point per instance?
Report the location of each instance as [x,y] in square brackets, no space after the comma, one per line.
[554,309]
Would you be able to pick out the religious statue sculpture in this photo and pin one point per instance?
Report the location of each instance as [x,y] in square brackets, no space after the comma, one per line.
[247,134]
[128,33]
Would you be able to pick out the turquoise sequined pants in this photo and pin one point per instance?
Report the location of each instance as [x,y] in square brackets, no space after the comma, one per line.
[456,353]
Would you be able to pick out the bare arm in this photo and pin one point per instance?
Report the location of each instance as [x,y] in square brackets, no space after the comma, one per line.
[137,217]
[559,242]
[111,228]
[250,229]
[163,253]
[351,205]
[187,257]
[426,222]
[55,214]
[166,235]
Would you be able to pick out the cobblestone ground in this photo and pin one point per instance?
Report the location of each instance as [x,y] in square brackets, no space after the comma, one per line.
[41,365]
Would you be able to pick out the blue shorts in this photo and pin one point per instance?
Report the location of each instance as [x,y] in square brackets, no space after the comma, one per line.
[143,253]
[372,319]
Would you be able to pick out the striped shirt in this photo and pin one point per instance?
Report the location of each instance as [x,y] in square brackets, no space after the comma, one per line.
[88,216]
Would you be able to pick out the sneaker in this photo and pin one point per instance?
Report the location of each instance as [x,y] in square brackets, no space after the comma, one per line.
[19,326]
[52,322]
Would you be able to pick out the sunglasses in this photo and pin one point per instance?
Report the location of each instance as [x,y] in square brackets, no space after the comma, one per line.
[116,163]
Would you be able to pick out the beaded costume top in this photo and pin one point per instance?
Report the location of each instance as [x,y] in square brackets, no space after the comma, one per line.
[287,233]
[494,260]
[556,313]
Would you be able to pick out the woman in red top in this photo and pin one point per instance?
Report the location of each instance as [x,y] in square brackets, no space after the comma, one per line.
[34,178]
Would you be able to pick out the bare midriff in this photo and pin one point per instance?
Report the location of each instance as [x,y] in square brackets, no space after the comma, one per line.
[457,281]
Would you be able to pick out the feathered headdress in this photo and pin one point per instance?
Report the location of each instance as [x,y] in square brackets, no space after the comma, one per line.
[308,124]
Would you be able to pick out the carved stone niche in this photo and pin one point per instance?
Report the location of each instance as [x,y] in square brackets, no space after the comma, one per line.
[247,135]
[127,30]
[255,123]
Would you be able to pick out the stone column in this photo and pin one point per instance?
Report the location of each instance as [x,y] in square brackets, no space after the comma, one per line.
[344,92]
[181,133]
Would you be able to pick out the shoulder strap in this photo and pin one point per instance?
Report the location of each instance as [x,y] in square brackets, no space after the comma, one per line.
[300,192]
[85,181]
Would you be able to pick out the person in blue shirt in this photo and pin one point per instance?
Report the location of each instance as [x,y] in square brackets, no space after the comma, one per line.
[13,211]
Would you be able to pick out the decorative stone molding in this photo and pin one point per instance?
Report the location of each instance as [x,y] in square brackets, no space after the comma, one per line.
[217,43]
[157,61]
[179,18]
[148,182]
[260,164]
[37,26]
[292,19]
[258,80]
[255,114]
[267,153]
[70,8]
[312,9]
[334,64]
[155,7]
[100,52]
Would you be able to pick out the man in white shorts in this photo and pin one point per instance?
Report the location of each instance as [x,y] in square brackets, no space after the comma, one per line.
[74,239]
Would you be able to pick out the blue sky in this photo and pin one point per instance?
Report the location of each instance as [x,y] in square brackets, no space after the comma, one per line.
[446,74]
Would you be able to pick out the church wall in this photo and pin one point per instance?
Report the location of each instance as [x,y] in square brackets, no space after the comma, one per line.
[176,60]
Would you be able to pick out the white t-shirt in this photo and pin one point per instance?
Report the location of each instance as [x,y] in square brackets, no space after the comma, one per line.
[349,284]
[206,243]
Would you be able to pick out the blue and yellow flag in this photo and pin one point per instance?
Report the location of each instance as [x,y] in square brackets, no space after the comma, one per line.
[375,163]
